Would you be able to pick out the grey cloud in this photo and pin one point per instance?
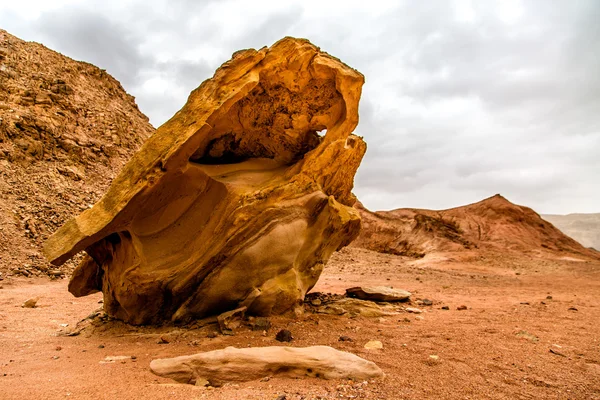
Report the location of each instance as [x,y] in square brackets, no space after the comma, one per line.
[452,111]
[92,37]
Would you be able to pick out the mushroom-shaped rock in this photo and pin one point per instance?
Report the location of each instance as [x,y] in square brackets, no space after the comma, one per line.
[237,201]
[378,293]
[240,365]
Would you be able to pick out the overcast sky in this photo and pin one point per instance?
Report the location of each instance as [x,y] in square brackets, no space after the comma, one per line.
[463,99]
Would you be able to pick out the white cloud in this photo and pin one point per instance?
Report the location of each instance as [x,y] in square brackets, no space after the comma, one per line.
[463,99]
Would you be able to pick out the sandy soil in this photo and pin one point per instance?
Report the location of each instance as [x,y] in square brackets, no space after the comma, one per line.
[480,353]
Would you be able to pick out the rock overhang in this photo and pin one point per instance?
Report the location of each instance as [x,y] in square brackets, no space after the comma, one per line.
[238,177]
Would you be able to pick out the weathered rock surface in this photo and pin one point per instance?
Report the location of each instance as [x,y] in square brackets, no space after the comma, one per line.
[240,365]
[492,224]
[66,128]
[237,201]
[356,307]
[378,293]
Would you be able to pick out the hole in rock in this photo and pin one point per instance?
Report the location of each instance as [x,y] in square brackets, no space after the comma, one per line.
[322,133]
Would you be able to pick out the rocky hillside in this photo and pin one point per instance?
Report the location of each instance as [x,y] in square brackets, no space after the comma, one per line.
[585,228]
[492,224]
[66,128]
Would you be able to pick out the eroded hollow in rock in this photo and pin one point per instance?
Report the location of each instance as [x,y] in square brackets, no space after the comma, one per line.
[273,122]
[236,201]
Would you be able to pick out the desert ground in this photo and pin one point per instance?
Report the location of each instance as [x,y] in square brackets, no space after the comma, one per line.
[530,331]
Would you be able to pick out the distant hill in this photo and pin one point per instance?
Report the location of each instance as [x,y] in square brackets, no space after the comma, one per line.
[494,224]
[585,228]
[66,128]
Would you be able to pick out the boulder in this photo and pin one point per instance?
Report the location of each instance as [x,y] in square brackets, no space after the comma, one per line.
[378,293]
[238,200]
[230,320]
[239,365]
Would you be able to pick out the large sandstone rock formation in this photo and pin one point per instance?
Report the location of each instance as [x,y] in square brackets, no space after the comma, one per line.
[66,128]
[491,224]
[237,201]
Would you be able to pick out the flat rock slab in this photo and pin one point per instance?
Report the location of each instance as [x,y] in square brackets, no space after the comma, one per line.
[378,293]
[239,365]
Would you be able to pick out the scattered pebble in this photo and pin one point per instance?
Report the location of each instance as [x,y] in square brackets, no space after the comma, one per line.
[413,310]
[558,353]
[461,308]
[162,340]
[284,336]
[100,346]
[202,382]
[211,335]
[112,359]
[548,297]
[373,345]
[445,308]
[345,339]
[572,309]
[529,336]
[31,303]
[58,348]
[427,302]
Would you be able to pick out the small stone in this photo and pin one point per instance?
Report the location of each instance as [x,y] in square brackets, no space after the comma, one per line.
[461,308]
[434,357]
[230,320]
[373,345]
[202,382]
[345,339]
[413,310]
[548,297]
[162,340]
[100,346]
[30,303]
[282,397]
[260,324]
[58,348]
[378,293]
[427,302]
[528,336]
[284,336]
[112,359]
[445,308]
[211,335]
[572,309]
[558,353]
[315,302]
[55,357]
[419,318]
